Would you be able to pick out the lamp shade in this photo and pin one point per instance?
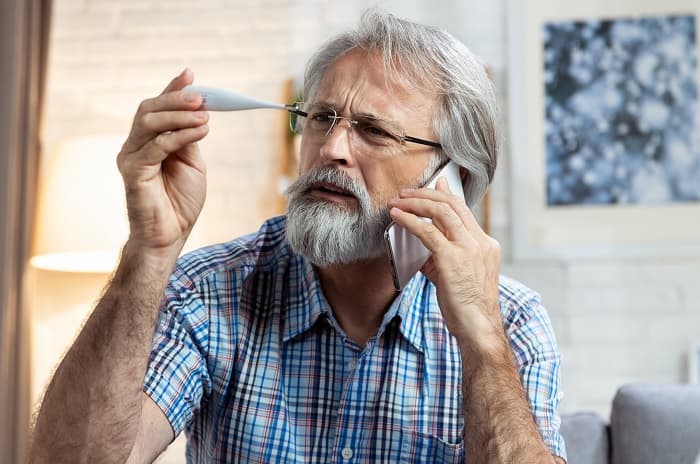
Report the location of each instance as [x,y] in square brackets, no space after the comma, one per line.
[81,218]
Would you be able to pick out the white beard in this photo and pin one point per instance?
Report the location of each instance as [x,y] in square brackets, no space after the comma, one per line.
[327,233]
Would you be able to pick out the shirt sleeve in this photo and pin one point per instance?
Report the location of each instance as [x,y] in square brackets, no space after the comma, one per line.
[537,357]
[177,377]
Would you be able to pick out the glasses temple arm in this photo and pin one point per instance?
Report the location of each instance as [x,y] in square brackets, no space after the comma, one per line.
[408,138]
[295,110]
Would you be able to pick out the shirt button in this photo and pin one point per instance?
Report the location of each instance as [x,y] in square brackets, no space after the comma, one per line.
[346,453]
[352,365]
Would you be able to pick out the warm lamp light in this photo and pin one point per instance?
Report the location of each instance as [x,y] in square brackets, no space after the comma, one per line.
[81,220]
[81,224]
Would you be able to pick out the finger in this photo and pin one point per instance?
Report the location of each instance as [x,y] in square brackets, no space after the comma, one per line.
[186,77]
[171,101]
[443,194]
[443,186]
[459,205]
[170,142]
[161,146]
[426,232]
[441,213]
[149,125]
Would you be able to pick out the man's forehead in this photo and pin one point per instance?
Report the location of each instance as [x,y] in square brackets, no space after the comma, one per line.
[359,79]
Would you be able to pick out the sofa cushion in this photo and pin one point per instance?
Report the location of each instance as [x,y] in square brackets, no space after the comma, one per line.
[653,424]
[586,438]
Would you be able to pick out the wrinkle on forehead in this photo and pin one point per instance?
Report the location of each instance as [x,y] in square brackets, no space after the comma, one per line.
[358,83]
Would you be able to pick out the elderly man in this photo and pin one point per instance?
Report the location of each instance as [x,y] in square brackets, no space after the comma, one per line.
[292,344]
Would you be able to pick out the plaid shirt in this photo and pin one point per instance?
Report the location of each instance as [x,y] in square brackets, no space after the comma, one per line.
[248,360]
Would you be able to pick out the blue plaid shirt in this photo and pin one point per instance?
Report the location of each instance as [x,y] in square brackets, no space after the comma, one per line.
[249,361]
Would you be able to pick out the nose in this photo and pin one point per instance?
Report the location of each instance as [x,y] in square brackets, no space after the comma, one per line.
[337,145]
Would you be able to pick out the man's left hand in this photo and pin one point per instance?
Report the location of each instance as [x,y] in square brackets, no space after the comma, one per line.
[464,266]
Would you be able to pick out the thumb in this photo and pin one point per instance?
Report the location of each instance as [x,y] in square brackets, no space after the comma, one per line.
[186,77]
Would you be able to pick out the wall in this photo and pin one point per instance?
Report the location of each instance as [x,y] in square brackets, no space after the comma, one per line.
[617,321]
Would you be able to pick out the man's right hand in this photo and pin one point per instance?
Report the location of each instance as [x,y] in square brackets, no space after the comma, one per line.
[163,171]
[94,409]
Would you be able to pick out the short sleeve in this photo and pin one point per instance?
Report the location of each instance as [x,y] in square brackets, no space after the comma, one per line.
[177,377]
[537,357]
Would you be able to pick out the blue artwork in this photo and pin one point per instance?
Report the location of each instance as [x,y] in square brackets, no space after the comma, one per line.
[621,100]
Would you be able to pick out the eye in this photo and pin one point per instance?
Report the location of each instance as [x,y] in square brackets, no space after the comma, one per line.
[322,116]
[375,131]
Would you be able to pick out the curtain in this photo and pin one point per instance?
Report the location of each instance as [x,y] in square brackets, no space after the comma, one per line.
[24,26]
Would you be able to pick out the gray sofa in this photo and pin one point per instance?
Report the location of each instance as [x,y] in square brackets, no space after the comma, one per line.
[649,424]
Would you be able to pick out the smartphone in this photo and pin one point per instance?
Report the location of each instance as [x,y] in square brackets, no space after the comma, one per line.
[407,254]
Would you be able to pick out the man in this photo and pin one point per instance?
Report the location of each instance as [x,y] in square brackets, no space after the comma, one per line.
[291,344]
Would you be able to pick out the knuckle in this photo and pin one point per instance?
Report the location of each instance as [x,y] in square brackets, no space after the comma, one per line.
[160,141]
[120,160]
[444,209]
[428,229]
[172,99]
[146,120]
[124,165]
[493,246]
[142,107]
[472,246]
[458,204]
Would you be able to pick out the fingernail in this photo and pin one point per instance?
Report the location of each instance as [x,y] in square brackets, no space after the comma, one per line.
[407,191]
[200,114]
[191,97]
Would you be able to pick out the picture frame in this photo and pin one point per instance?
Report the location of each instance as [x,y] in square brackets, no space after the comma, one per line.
[633,226]
[694,362]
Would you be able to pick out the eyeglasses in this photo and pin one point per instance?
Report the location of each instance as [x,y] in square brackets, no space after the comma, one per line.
[373,134]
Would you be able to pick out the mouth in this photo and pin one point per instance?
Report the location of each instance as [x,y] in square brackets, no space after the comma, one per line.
[330,191]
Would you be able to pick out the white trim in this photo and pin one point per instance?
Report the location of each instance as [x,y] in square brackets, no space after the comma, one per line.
[578,232]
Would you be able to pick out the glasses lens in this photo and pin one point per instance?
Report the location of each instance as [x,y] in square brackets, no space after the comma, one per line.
[321,119]
[295,123]
[377,133]
[372,136]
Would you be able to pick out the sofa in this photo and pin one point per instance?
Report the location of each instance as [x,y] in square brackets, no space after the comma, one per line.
[649,424]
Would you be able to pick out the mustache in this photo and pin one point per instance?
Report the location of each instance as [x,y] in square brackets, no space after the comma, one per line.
[329,175]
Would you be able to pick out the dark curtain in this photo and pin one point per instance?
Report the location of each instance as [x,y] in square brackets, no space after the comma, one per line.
[24,30]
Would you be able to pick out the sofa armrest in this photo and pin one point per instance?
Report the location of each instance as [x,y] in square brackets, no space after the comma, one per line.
[653,424]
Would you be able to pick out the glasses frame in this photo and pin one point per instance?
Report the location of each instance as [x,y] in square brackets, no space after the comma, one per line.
[296,109]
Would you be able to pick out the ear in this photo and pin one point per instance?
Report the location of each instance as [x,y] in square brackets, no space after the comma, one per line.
[463,173]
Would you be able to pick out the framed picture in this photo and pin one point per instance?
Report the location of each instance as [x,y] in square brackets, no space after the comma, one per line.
[604,128]
[694,363]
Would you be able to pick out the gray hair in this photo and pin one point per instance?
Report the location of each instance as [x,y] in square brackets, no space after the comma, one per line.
[466,121]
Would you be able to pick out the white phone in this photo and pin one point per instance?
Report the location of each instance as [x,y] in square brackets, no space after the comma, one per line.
[407,254]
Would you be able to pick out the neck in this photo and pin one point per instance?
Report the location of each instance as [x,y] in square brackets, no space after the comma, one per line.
[360,294]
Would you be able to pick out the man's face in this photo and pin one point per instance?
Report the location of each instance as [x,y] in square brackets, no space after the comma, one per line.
[338,207]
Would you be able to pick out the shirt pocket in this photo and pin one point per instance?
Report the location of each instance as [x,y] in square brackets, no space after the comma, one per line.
[418,447]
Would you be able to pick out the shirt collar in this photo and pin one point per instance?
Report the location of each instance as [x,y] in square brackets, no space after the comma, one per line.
[410,307]
[305,299]
[306,303]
